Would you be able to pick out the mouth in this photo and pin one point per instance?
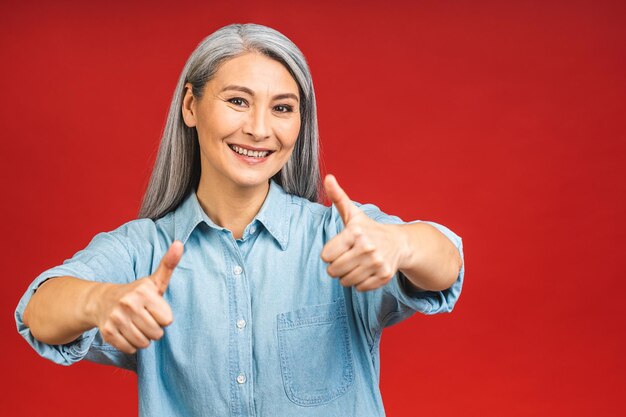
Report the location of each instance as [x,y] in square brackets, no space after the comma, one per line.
[250,153]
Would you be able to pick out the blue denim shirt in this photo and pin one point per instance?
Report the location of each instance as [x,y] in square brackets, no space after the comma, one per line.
[260,328]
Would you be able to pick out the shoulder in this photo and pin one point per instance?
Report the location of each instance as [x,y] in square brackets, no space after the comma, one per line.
[139,235]
[302,209]
[297,204]
[139,228]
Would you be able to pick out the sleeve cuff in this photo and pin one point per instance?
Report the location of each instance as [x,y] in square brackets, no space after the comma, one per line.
[66,354]
[431,302]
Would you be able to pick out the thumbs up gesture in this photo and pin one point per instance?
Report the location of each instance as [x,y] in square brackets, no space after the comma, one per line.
[129,316]
[365,254]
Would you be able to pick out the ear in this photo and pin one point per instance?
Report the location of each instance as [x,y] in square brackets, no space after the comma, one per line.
[189,106]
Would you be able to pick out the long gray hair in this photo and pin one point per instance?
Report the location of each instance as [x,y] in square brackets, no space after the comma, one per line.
[177,168]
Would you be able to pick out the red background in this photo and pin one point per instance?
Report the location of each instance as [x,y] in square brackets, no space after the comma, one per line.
[505,122]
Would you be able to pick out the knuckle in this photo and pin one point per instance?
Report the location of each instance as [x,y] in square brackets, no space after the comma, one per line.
[116,317]
[143,290]
[147,286]
[168,319]
[107,331]
[385,271]
[368,247]
[127,302]
[357,231]
[378,261]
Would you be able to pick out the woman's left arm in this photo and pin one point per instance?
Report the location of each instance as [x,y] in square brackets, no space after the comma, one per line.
[367,254]
[430,260]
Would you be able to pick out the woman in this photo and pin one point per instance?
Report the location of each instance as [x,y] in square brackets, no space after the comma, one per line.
[277,306]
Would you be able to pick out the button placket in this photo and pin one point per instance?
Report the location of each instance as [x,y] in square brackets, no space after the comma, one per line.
[240,347]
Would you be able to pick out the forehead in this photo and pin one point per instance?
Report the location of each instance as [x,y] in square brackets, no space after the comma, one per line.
[257,72]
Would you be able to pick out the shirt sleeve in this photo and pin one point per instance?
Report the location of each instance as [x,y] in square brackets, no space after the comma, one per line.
[399,300]
[107,258]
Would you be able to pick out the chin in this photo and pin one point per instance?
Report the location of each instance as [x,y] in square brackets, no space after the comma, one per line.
[251,182]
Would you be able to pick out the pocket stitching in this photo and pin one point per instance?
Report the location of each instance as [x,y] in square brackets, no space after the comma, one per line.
[340,317]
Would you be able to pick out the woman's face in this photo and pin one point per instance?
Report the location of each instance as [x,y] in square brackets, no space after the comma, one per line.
[247,120]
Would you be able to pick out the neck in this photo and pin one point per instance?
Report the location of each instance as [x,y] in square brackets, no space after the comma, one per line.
[229,205]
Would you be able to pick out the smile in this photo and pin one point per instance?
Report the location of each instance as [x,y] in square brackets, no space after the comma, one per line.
[249,153]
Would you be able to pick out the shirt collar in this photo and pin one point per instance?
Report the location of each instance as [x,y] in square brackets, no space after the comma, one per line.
[273,216]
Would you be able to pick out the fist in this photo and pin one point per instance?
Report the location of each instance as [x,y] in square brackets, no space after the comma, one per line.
[365,254]
[129,316]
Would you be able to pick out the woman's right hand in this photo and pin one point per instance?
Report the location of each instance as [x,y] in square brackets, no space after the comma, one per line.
[129,316]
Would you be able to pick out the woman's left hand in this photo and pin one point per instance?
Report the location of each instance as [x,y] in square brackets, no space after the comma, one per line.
[365,254]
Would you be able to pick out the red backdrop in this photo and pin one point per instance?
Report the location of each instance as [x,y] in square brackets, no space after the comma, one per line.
[505,122]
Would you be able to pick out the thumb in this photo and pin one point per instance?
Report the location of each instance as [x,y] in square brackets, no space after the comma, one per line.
[161,277]
[347,210]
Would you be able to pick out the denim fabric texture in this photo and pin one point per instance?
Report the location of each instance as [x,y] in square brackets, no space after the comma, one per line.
[259,329]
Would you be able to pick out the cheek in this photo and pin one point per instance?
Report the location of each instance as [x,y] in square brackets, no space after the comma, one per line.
[290,133]
[218,124]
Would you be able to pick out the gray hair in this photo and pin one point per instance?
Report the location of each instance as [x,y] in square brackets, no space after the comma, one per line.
[177,167]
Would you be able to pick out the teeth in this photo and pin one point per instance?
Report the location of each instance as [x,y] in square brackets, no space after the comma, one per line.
[253,154]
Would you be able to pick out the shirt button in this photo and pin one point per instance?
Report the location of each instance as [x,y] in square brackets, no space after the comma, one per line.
[241,379]
[237,270]
[252,230]
[241,323]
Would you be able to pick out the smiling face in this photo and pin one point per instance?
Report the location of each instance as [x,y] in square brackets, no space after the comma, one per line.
[247,120]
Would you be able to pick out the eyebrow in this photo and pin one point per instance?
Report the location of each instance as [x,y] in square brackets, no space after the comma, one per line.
[250,92]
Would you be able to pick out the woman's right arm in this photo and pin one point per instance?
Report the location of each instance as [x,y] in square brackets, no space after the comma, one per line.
[127,315]
[62,309]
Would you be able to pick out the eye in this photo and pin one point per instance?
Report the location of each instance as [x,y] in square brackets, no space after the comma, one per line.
[238,101]
[283,108]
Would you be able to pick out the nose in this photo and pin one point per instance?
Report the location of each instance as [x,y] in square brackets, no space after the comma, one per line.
[257,124]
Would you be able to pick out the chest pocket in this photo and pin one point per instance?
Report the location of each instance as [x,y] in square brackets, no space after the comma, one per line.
[315,353]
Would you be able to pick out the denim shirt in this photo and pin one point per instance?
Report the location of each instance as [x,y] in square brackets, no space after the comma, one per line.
[260,328]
